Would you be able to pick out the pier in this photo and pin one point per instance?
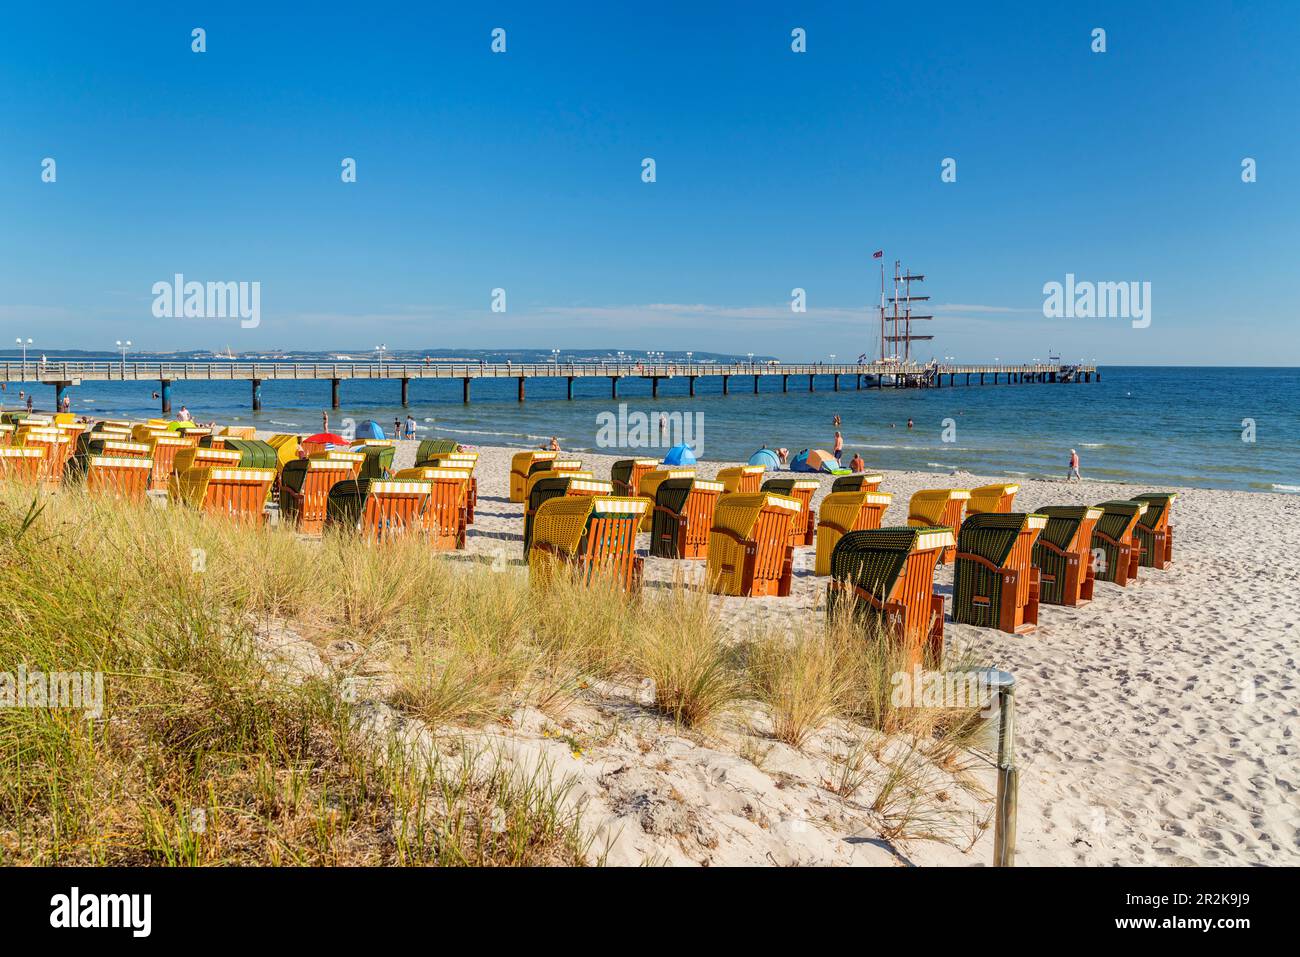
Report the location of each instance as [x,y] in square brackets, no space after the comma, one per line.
[879,375]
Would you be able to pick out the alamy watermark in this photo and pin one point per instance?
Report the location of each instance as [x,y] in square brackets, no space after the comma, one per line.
[54,690]
[1098,300]
[649,430]
[213,300]
[977,690]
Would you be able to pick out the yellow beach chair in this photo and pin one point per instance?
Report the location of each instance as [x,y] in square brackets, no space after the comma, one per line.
[196,456]
[590,534]
[742,478]
[939,507]
[749,545]
[354,459]
[649,488]
[520,464]
[458,460]
[987,499]
[844,512]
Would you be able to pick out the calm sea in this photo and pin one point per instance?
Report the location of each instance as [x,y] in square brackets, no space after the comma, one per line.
[1152,425]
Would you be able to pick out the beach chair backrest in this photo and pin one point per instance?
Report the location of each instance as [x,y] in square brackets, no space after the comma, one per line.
[394,507]
[193,457]
[992,498]
[237,493]
[594,532]
[305,488]
[445,515]
[683,517]
[803,490]
[548,476]
[127,478]
[742,478]
[428,448]
[844,512]
[286,447]
[994,553]
[354,460]
[163,450]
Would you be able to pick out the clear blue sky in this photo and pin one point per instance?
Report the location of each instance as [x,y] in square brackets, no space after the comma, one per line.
[775,170]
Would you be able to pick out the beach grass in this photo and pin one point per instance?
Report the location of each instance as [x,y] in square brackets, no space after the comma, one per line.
[218,746]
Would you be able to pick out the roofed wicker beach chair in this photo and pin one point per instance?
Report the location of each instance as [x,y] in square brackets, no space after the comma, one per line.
[995,582]
[938,508]
[888,575]
[142,432]
[72,431]
[6,434]
[683,518]
[844,512]
[648,488]
[804,528]
[1115,555]
[859,482]
[625,474]
[125,478]
[21,463]
[445,514]
[97,443]
[548,485]
[54,449]
[991,498]
[1153,536]
[520,464]
[536,477]
[380,509]
[742,478]
[354,459]
[458,460]
[428,448]
[1063,554]
[240,432]
[749,545]
[593,535]
[236,493]
[304,491]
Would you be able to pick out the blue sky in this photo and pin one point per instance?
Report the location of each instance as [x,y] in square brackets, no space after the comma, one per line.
[775,170]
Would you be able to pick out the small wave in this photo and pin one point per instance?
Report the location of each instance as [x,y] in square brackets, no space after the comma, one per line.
[292,425]
[1093,445]
[1286,488]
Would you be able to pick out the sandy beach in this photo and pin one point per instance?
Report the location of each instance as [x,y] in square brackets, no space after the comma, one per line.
[1155,724]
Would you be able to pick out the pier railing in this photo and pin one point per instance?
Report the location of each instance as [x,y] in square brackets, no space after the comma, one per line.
[33,370]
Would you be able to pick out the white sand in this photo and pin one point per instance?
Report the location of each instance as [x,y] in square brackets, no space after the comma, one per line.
[1156,725]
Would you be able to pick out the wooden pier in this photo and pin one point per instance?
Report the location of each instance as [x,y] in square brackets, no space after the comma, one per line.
[60,375]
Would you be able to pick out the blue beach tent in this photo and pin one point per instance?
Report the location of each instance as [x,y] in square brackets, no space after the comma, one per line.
[767,457]
[680,455]
[369,429]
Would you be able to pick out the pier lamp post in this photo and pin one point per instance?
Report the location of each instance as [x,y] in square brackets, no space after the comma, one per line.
[381,349]
[24,345]
[123,346]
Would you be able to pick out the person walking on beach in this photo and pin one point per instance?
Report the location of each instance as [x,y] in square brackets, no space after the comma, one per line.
[29,402]
[1074,467]
[410,426]
[839,448]
[857,464]
[397,428]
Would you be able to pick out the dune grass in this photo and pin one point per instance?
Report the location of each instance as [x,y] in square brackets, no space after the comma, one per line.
[205,755]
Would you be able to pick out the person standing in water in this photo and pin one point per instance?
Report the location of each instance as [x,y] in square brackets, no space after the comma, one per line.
[839,448]
[324,421]
[1074,467]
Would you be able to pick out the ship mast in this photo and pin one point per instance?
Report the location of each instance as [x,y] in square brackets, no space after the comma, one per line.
[902,314]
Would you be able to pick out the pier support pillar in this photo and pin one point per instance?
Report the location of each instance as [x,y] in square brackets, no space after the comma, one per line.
[785,383]
[726,379]
[812,386]
[406,392]
[613,387]
[522,380]
[570,394]
[691,384]
[755,385]
[859,378]
[334,393]
[257,395]
[59,389]
[836,380]
[654,387]
[166,391]
[465,390]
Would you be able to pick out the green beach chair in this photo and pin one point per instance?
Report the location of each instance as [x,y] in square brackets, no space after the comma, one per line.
[995,583]
[1153,535]
[1115,556]
[1063,554]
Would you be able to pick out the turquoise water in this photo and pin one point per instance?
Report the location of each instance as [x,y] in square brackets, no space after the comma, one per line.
[1152,425]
